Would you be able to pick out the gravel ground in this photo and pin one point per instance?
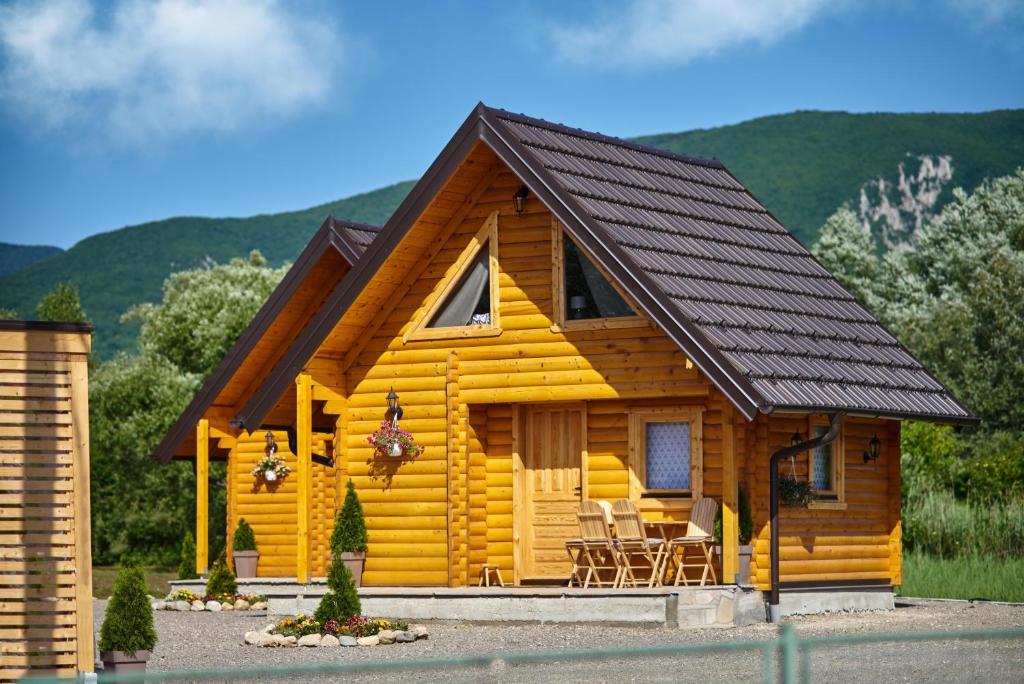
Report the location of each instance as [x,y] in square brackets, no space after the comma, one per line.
[191,641]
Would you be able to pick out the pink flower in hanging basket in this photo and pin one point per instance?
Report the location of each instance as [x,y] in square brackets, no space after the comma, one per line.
[391,440]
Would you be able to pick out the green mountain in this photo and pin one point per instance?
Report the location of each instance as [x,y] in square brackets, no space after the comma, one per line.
[16,257]
[895,168]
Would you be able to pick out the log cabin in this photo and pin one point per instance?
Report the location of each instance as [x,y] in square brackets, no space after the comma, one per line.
[563,316]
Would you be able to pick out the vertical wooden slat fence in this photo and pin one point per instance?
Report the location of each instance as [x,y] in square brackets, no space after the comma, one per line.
[46,620]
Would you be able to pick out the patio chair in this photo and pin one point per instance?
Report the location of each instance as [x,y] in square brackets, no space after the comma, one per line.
[600,552]
[699,534]
[637,551]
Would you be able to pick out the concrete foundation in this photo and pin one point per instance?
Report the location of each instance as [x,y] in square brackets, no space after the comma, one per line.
[683,607]
[837,601]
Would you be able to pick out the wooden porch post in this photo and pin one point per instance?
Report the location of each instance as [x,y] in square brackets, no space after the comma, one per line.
[202,496]
[730,499]
[304,467]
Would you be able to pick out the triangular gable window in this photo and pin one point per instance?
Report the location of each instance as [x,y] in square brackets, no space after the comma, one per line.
[466,303]
[585,298]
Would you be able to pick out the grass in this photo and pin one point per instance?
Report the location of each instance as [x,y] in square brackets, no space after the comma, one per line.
[156,580]
[968,577]
[938,524]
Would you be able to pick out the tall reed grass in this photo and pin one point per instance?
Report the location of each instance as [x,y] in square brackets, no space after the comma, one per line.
[937,524]
[968,577]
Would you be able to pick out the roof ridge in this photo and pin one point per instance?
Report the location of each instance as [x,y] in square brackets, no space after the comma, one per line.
[355,225]
[612,140]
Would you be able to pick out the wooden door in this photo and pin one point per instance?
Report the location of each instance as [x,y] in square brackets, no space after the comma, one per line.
[553,441]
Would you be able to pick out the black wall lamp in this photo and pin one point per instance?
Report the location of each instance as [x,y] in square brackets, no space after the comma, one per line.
[873,448]
[394,413]
[796,438]
[519,199]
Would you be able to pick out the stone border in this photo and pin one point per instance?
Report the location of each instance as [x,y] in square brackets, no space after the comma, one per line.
[265,638]
[212,606]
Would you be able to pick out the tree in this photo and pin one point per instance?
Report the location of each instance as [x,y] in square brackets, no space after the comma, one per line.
[349,533]
[222,580]
[61,304]
[128,624]
[245,539]
[342,601]
[187,564]
[8,314]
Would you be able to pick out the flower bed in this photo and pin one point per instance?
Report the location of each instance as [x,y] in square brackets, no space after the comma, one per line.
[184,600]
[358,630]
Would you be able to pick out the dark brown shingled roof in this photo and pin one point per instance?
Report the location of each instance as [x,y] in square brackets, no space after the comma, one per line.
[349,239]
[727,268]
[764,321]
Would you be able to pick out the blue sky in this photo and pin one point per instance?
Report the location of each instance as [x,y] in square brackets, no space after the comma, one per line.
[115,113]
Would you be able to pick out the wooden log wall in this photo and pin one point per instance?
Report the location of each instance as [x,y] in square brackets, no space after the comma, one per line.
[272,511]
[851,542]
[46,621]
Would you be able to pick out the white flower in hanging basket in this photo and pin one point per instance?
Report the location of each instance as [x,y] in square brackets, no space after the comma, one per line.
[271,468]
[391,440]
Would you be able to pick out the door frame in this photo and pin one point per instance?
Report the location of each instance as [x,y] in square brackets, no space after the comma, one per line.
[519,508]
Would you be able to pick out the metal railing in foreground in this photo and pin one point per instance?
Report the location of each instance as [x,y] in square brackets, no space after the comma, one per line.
[785,659]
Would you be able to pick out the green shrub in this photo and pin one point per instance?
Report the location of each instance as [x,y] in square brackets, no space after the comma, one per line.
[128,624]
[222,580]
[349,526]
[342,601]
[187,562]
[245,540]
[746,522]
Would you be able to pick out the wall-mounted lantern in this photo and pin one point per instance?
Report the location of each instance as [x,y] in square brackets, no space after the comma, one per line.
[874,446]
[394,413]
[796,438]
[519,199]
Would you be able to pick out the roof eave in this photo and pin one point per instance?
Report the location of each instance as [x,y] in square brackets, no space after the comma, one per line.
[947,419]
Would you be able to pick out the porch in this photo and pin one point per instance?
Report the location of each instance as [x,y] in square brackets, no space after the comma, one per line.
[683,607]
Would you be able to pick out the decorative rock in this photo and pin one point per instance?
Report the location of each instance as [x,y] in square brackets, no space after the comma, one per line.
[329,640]
[198,605]
[241,604]
[369,640]
[268,640]
[288,640]
[405,637]
[182,605]
[309,640]
[227,606]
[268,629]
[420,631]
[159,605]
[252,638]
[348,640]
[386,636]
[259,605]
[213,606]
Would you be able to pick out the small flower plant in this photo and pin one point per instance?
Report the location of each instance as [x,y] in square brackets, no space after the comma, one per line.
[186,595]
[356,626]
[270,468]
[391,440]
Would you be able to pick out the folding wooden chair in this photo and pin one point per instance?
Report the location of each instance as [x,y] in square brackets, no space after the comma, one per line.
[575,547]
[699,533]
[637,551]
[600,552]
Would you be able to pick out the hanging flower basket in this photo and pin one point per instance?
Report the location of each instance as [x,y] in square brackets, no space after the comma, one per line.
[392,441]
[271,468]
[794,492]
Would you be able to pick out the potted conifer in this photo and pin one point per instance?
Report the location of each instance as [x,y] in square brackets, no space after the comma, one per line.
[127,636]
[245,553]
[222,580]
[349,536]
[745,533]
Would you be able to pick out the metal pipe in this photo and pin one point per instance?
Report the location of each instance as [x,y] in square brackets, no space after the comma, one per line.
[835,423]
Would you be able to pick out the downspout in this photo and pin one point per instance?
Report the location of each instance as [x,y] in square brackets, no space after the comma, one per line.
[836,422]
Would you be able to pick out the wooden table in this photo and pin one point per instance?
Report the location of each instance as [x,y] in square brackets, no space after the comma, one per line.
[666,530]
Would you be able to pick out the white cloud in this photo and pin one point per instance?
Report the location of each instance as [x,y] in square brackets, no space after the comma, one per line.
[140,72]
[672,32]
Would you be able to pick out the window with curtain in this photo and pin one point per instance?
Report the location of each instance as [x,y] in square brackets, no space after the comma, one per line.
[822,463]
[470,303]
[668,455]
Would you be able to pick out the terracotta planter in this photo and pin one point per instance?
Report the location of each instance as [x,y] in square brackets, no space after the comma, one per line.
[743,571]
[245,563]
[355,562]
[121,662]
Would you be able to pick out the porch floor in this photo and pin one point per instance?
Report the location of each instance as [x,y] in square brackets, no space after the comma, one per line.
[710,606]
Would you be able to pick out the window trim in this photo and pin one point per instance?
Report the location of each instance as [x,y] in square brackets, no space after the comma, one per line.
[834,499]
[558,290]
[419,329]
[638,420]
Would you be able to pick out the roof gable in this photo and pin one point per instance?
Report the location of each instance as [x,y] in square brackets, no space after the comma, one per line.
[761,318]
[344,240]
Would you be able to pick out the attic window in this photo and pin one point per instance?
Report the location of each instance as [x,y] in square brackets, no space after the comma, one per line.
[464,302]
[470,303]
[584,297]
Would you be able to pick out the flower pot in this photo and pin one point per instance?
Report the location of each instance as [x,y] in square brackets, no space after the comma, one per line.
[355,560]
[395,451]
[245,563]
[743,572]
[270,476]
[122,662]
